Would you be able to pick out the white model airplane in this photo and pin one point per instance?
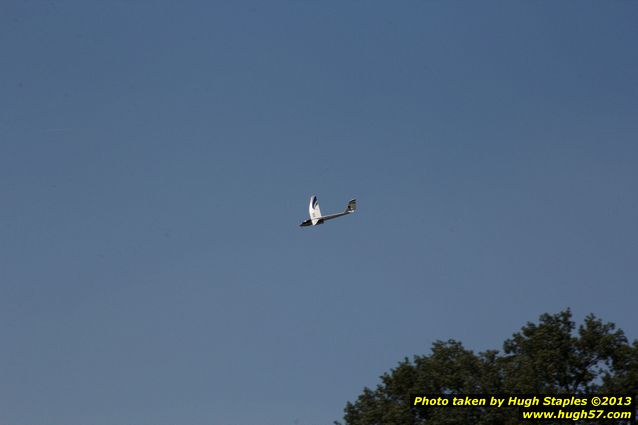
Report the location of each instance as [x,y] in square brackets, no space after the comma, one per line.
[317,218]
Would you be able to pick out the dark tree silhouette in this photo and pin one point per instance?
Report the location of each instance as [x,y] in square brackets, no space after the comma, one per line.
[550,356]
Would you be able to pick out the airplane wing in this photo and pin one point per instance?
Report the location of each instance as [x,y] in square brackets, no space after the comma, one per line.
[313,209]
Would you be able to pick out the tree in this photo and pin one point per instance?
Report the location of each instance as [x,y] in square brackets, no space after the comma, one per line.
[546,357]
[549,358]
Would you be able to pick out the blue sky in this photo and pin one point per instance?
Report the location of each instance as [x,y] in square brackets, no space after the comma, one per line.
[157,157]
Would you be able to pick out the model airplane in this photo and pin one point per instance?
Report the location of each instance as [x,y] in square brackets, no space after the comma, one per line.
[317,218]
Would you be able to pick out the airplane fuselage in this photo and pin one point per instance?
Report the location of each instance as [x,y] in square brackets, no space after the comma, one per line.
[320,220]
[309,223]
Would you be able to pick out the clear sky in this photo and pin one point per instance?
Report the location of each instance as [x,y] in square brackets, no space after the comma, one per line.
[156,158]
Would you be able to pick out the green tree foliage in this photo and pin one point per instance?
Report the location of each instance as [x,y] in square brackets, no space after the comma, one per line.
[550,356]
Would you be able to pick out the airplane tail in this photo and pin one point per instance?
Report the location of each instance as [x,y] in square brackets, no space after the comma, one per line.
[352,206]
[314,210]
